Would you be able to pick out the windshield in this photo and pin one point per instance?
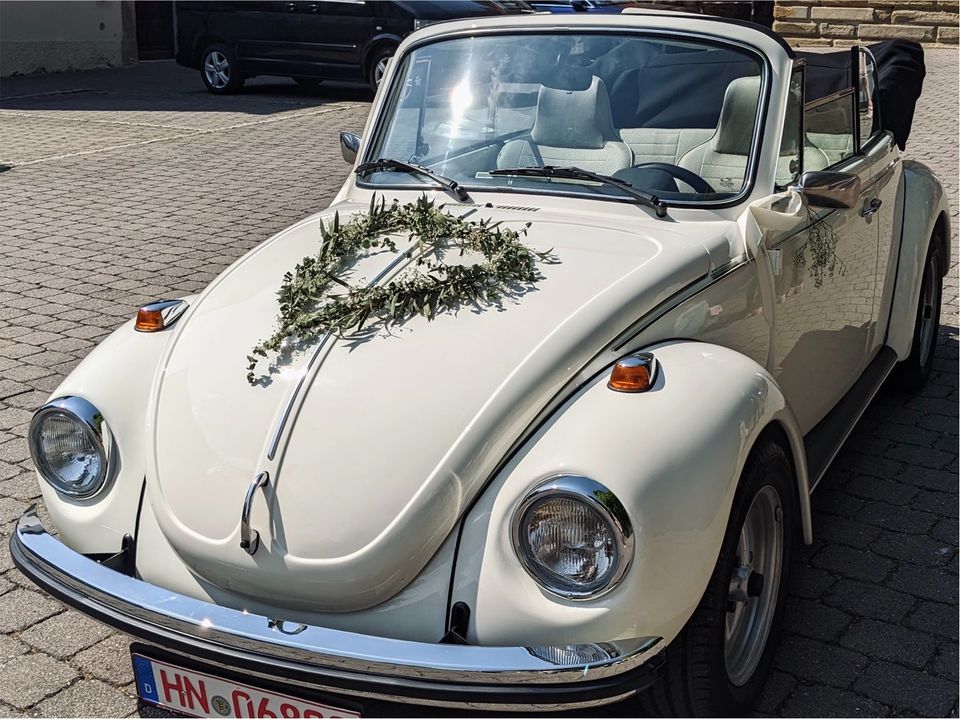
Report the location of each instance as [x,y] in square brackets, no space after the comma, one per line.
[672,118]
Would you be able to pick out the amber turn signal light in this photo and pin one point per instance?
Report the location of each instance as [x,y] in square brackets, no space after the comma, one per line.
[635,373]
[159,315]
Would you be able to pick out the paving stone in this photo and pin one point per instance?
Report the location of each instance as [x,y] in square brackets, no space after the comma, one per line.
[946,662]
[809,582]
[909,689]
[29,678]
[869,600]
[22,607]
[65,634]
[913,548]
[854,563]
[926,583]
[815,620]
[935,618]
[899,519]
[109,660]
[89,698]
[892,642]
[10,648]
[819,701]
[777,689]
[817,662]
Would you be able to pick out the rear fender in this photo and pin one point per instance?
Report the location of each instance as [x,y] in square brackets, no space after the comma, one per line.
[673,455]
[924,203]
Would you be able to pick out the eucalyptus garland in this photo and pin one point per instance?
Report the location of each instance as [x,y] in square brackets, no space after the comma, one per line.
[316,299]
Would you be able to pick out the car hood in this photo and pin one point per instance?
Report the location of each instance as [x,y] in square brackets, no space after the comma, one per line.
[389,438]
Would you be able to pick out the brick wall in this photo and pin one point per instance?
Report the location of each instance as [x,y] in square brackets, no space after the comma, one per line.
[849,22]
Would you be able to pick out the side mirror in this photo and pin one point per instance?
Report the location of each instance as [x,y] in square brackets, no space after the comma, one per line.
[829,189]
[349,146]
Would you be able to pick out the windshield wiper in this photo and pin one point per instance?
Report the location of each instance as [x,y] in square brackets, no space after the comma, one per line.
[575,173]
[388,164]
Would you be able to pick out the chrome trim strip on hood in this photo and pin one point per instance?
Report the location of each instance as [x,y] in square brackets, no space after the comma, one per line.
[167,618]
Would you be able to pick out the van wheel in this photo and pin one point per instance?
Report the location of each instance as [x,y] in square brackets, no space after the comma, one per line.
[220,70]
[378,66]
[720,661]
[913,372]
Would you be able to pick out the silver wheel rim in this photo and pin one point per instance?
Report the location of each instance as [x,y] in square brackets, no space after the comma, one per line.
[928,311]
[379,70]
[754,586]
[216,67]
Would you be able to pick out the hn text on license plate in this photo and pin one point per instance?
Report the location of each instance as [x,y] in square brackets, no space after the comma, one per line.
[200,694]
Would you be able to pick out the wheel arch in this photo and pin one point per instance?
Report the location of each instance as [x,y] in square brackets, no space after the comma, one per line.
[925,219]
[203,42]
[376,44]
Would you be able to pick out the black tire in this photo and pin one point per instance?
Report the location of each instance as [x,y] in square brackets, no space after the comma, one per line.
[913,372]
[695,680]
[374,66]
[307,81]
[230,78]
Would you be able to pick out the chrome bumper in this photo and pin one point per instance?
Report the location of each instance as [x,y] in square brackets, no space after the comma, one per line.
[327,660]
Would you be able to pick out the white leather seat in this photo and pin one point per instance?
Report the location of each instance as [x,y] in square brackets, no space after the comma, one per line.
[572,128]
[722,160]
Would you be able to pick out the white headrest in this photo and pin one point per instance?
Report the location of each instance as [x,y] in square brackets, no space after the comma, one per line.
[574,118]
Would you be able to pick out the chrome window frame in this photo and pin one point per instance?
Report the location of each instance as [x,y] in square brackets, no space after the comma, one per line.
[756,148]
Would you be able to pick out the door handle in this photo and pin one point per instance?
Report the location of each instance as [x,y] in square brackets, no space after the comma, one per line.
[314,7]
[872,207]
[291,6]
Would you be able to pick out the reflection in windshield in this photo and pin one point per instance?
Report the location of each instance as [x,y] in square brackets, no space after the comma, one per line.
[671,118]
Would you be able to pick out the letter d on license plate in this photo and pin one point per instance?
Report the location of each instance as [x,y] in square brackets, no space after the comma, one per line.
[199,694]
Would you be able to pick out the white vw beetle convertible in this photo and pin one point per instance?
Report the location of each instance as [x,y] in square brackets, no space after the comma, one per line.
[531,416]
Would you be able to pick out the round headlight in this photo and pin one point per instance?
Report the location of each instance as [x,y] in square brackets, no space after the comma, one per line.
[67,439]
[573,536]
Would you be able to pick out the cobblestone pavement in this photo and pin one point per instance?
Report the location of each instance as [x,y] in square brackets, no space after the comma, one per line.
[135,183]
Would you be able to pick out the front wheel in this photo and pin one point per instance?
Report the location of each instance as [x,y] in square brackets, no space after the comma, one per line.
[220,70]
[720,661]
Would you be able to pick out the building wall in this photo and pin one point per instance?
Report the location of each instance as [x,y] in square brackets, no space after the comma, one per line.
[850,22]
[65,35]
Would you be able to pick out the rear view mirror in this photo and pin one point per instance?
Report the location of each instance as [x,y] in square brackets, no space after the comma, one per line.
[349,146]
[829,189]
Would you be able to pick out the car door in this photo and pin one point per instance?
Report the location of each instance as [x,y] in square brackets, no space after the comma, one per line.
[262,32]
[887,172]
[331,36]
[825,271]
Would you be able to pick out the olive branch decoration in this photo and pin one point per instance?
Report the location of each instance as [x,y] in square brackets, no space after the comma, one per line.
[822,240]
[315,299]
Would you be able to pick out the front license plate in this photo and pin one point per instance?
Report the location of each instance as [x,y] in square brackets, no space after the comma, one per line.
[199,694]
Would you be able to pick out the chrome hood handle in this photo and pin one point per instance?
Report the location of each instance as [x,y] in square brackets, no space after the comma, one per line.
[250,538]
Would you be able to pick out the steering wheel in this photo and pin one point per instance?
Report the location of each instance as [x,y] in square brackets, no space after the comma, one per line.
[678,173]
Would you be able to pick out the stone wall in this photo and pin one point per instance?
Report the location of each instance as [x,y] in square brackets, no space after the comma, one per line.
[848,22]
[65,35]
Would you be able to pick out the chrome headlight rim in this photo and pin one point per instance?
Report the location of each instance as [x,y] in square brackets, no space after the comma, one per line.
[599,499]
[91,420]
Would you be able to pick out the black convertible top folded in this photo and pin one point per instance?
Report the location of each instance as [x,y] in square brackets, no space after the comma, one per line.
[900,71]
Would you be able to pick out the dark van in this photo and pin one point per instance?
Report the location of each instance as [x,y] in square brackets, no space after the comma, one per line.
[310,41]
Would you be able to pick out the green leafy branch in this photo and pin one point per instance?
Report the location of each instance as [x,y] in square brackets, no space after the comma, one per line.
[315,299]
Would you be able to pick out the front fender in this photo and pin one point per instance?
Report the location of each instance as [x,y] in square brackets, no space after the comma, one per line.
[116,377]
[923,203]
[673,455]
